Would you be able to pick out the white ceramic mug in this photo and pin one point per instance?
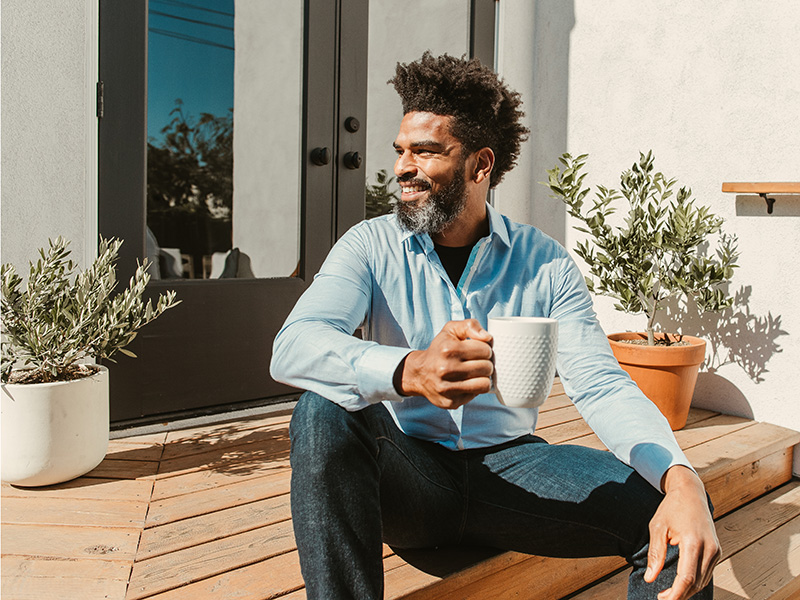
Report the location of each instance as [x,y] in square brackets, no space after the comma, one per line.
[524,359]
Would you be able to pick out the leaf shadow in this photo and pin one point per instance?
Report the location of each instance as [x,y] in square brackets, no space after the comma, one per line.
[735,335]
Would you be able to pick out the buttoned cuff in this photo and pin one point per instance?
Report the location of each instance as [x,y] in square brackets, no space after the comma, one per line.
[375,371]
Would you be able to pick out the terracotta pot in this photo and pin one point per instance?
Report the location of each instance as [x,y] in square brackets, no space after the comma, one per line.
[665,374]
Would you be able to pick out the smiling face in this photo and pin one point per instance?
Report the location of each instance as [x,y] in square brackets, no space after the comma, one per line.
[430,169]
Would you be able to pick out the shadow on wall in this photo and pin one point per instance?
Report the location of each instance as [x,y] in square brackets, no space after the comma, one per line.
[735,336]
[750,205]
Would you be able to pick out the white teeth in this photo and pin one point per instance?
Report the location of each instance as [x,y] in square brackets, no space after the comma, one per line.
[413,189]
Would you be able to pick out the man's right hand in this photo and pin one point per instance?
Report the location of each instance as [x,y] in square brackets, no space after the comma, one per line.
[455,368]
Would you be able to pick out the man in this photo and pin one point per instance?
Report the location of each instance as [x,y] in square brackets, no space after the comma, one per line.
[398,438]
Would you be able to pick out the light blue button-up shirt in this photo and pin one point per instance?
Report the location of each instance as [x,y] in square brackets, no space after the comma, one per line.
[392,282]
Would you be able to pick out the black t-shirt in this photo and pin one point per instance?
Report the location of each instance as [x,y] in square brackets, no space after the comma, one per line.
[454,260]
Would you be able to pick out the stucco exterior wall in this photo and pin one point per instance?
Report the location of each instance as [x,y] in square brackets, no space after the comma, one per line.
[713,88]
[49,130]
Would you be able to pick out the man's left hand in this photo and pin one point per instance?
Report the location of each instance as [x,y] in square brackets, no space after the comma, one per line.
[683,518]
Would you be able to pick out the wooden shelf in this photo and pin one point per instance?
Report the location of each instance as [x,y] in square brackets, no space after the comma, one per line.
[762,189]
[779,187]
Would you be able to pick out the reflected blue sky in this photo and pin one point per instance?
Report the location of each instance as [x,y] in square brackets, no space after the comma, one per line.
[191,57]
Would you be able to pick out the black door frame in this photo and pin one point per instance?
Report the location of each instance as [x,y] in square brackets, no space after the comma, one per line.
[150,388]
[211,380]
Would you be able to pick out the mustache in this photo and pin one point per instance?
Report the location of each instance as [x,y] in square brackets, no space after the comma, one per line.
[409,178]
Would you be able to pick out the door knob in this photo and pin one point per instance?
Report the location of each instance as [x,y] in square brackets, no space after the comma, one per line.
[352,160]
[320,156]
[351,124]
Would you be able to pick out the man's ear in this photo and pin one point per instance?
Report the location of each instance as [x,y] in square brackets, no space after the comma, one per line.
[484,161]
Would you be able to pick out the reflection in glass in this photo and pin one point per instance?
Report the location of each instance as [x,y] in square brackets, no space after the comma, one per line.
[199,53]
[421,22]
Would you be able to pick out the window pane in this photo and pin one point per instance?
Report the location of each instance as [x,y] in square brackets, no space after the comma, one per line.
[441,27]
[223,193]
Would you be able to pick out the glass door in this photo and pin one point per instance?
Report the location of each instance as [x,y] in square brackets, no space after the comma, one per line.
[219,160]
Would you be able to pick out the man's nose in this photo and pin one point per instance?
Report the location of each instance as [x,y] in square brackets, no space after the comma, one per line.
[404,164]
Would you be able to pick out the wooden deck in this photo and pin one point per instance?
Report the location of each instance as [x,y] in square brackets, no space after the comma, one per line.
[204,513]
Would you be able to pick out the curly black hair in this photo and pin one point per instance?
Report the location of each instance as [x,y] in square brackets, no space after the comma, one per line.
[486,113]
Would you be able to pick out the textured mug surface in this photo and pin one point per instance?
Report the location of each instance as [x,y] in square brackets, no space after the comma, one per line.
[524,359]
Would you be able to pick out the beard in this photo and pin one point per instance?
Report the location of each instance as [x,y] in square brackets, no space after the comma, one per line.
[433,214]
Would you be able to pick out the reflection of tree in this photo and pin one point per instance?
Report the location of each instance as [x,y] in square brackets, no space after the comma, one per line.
[379,197]
[191,170]
[190,184]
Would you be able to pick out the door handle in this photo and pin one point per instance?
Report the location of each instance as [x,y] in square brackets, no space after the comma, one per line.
[352,160]
[320,156]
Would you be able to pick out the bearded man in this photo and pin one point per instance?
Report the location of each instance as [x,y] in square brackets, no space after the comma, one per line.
[398,439]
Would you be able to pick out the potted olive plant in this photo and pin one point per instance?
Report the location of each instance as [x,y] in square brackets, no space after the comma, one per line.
[55,416]
[651,256]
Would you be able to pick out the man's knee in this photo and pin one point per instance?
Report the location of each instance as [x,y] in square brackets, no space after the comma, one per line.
[313,415]
[323,431]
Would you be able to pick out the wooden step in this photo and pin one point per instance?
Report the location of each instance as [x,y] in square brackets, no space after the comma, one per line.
[737,459]
[760,552]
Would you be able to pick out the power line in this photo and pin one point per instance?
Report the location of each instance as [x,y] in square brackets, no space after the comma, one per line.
[189,38]
[188,20]
[193,7]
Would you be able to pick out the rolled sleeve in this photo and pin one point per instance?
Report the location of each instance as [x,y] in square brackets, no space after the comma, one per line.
[375,370]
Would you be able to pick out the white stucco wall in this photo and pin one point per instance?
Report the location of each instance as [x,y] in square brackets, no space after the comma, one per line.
[49,130]
[713,88]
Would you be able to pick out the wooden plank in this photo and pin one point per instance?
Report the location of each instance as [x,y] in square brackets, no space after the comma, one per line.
[231,455]
[200,562]
[124,449]
[68,511]
[224,472]
[197,440]
[769,569]
[533,577]
[715,427]
[71,568]
[736,532]
[112,468]
[557,416]
[740,448]
[86,489]
[58,588]
[266,579]
[212,469]
[209,527]
[774,187]
[206,501]
[731,489]
[565,432]
[64,541]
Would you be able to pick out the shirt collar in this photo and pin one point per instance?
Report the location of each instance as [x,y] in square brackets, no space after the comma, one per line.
[497,228]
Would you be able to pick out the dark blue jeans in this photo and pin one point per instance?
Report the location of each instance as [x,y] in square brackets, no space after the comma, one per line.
[358,481]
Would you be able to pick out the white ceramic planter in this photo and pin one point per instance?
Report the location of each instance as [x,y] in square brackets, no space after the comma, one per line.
[54,432]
